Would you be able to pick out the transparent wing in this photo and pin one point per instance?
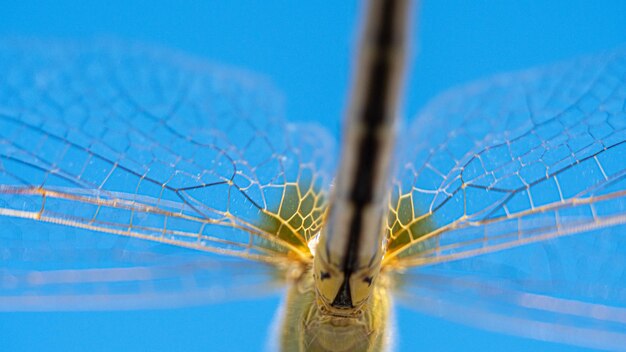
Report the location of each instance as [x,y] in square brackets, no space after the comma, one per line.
[569,290]
[516,158]
[147,143]
[73,269]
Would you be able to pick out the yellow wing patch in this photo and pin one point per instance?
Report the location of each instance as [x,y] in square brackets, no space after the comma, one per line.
[298,216]
[405,227]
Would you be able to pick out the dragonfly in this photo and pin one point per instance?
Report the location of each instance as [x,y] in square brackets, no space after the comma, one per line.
[185,158]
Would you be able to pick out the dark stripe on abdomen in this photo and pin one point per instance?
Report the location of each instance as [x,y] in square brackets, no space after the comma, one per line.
[374,119]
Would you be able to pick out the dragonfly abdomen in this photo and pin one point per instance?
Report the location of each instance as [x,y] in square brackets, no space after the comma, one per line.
[351,245]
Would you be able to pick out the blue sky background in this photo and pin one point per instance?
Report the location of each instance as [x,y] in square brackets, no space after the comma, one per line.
[306,49]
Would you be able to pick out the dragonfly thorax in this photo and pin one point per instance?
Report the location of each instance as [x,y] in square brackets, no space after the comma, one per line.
[308,325]
[343,290]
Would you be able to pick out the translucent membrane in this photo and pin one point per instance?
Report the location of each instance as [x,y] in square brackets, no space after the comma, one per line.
[149,144]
